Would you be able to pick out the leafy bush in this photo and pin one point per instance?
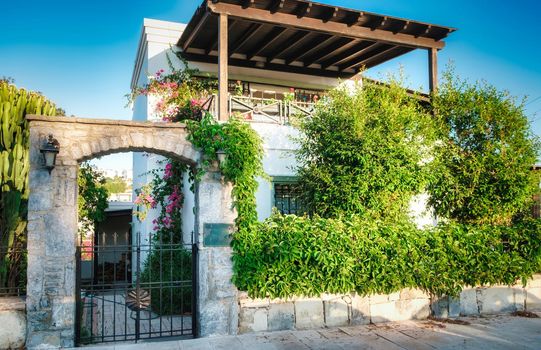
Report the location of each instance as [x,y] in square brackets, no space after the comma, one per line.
[92,199]
[164,270]
[485,154]
[290,255]
[362,151]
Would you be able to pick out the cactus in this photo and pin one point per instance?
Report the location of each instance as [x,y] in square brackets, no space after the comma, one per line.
[15,104]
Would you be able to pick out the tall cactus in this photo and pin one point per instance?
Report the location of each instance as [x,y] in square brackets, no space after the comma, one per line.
[15,104]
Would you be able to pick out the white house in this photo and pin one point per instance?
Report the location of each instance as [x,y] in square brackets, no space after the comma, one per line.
[273,49]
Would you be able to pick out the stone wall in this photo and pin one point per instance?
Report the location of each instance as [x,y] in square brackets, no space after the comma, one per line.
[409,304]
[12,323]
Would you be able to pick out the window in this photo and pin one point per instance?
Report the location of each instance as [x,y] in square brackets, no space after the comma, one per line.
[286,198]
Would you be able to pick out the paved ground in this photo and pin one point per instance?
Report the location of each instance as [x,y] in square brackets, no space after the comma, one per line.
[501,332]
[107,317]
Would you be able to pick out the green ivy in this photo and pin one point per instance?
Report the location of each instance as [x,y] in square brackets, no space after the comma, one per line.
[288,255]
[243,163]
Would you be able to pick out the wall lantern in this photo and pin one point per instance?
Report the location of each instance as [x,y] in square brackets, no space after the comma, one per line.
[50,149]
[221,155]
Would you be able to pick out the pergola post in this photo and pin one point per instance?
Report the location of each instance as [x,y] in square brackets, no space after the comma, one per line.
[433,69]
[222,67]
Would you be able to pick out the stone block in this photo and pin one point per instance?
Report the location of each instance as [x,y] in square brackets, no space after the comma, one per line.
[246,302]
[281,316]
[413,309]
[468,302]
[496,300]
[440,307]
[360,310]
[383,312]
[520,298]
[454,307]
[13,329]
[413,293]
[253,320]
[86,149]
[533,299]
[309,313]
[379,298]
[336,313]
[394,296]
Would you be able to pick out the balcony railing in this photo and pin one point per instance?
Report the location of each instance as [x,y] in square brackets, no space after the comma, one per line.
[264,110]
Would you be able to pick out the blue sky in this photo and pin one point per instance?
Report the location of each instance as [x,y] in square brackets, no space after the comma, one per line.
[81,54]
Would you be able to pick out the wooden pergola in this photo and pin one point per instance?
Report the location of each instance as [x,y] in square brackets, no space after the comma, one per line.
[301,36]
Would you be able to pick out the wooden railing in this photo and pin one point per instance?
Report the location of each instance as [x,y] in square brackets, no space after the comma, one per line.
[264,110]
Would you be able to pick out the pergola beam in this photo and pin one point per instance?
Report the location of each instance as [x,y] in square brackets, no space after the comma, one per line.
[374,57]
[354,52]
[195,32]
[274,35]
[335,28]
[247,3]
[432,69]
[332,13]
[332,51]
[223,78]
[276,6]
[314,48]
[248,34]
[291,43]
[304,9]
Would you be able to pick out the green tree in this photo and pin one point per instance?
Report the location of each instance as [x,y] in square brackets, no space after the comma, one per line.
[92,200]
[115,184]
[363,151]
[484,156]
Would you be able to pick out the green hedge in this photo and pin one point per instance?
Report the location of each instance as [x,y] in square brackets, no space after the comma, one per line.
[290,255]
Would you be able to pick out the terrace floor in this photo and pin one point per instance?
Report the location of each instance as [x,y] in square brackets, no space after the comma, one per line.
[494,333]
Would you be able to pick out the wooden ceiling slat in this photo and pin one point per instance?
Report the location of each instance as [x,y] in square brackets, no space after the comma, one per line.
[332,50]
[196,31]
[273,36]
[269,66]
[288,44]
[348,55]
[252,30]
[399,50]
[314,48]
[214,41]
[367,60]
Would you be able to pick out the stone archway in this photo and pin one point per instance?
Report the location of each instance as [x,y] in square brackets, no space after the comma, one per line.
[52,222]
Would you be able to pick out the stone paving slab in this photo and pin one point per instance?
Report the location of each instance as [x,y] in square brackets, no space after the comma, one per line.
[494,333]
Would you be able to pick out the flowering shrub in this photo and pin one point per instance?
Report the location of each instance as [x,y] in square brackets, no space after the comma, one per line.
[179,95]
[144,201]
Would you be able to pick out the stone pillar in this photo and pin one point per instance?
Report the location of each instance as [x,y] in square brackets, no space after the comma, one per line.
[52,228]
[217,310]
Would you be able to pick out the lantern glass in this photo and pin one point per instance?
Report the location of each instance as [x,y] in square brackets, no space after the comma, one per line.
[50,159]
[221,156]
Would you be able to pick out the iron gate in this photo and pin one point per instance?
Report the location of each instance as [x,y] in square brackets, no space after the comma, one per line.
[127,289]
